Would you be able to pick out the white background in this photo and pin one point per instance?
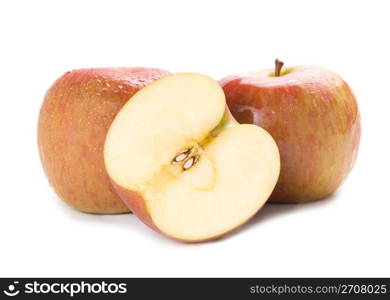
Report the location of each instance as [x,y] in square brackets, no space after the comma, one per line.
[345,235]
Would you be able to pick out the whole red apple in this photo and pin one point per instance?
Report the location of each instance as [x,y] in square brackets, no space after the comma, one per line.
[74,118]
[313,116]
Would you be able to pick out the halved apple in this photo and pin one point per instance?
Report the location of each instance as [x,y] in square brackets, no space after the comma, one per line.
[183,165]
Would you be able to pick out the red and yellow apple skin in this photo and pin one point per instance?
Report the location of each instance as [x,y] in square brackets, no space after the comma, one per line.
[73,122]
[136,203]
[313,116]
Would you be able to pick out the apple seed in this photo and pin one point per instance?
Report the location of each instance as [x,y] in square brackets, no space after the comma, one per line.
[181,156]
[187,158]
[189,163]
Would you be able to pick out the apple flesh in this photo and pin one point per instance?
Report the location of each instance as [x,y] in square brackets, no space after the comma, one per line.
[183,165]
[74,118]
[313,116]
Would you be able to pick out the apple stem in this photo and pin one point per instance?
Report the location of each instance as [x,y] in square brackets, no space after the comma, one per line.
[278,67]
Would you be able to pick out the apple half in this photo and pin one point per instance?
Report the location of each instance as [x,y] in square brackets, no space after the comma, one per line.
[183,165]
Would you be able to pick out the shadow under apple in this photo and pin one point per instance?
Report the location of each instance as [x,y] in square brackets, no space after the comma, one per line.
[122,221]
[274,210]
[267,212]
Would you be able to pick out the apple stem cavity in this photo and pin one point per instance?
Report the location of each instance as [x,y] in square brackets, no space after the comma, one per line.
[278,67]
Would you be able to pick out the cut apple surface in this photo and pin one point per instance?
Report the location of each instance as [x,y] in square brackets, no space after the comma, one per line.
[183,165]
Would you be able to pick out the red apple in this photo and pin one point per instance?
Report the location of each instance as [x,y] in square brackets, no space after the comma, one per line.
[74,118]
[313,116]
[192,173]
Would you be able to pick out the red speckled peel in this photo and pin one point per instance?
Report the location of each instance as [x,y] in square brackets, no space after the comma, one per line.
[313,116]
[136,203]
[74,118]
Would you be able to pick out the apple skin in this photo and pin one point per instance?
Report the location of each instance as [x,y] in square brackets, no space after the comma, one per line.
[313,116]
[137,204]
[73,122]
